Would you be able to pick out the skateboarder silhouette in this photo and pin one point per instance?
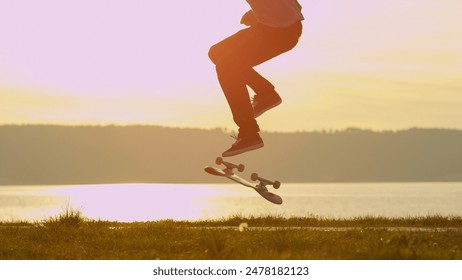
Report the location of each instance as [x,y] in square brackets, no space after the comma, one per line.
[274,27]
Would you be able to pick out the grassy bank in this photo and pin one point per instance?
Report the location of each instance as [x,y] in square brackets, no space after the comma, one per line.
[71,236]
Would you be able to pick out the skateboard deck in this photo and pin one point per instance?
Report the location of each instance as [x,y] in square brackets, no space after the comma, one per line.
[260,188]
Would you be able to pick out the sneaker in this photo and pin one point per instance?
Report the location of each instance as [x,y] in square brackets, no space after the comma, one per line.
[262,103]
[244,144]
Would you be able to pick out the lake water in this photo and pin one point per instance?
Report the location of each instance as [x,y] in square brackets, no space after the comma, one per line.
[149,202]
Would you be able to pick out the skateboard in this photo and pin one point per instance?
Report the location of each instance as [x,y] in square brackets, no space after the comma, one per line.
[260,188]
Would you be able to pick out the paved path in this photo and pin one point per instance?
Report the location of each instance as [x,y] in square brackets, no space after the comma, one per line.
[341,229]
[323,229]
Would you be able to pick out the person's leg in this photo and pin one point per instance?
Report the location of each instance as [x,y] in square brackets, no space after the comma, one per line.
[235,58]
[282,40]
[231,71]
[233,83]
[252,78]
[274,42]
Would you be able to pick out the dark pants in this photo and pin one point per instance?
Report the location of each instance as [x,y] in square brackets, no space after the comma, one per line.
[235,58]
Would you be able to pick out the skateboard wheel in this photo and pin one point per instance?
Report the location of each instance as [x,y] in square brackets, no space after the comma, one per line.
[219,160]
[277,184]
[254,177]
[240,167]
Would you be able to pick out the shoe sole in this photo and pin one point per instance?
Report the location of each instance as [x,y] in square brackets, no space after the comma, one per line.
[244,150]
[257,114]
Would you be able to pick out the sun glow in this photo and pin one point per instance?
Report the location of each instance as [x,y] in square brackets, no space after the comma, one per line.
[126,63]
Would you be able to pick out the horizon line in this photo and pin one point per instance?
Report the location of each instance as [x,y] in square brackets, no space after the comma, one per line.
[227,130]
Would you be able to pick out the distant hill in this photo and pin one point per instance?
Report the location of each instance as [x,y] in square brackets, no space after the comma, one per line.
[40,154]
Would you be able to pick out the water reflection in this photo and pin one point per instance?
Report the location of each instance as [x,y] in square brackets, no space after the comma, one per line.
[147,202]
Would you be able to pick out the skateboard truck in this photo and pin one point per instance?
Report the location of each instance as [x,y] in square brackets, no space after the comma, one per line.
[264,182]
[229,166]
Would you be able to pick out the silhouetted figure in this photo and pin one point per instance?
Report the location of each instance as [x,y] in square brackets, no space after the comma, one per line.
[274,28]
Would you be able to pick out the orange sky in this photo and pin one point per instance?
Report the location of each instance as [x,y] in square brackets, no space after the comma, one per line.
[372,64]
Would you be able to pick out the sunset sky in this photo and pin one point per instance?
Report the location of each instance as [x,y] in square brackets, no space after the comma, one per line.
[365,63]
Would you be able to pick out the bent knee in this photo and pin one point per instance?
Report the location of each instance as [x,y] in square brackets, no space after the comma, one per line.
[213,54]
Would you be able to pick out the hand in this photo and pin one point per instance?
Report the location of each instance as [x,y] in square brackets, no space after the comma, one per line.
[249,19]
